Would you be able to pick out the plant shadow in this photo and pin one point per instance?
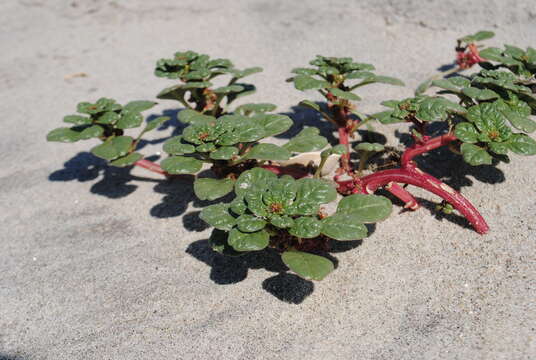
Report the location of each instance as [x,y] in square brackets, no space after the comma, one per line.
[302,116]
[287,287]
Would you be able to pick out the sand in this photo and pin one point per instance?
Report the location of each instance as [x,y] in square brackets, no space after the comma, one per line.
[102,263]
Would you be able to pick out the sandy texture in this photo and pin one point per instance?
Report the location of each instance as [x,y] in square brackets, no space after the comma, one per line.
[100,264]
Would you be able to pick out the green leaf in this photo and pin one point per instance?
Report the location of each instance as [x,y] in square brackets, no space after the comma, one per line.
[218,216]
[489,121]
[63,134]
[241,241]
[281,222]
[309,104]
[304,82]
[253,179]
[480,94]
[109,117]
[371,147]
[479,36]
[385,117]
[522,144]
[266,151]
[128,160]
[437,109]
[500,148]
[492,53]
[138,106]
[250,223]
[77,120]
[304,71]
[155,123]
[308,266]
[475,155]
[91,132]
[212,189]
[344,94]
[445,84]
[238,74]
[305,227]
[423,87]
[238,205]
[186,115]
[466,132]
[259,108]
[174,146]
[224,153]
[311,193]
[365,208]
[517,112]
[129,120]
[181,165]
[208,147]
[113,148]
[306,140]
[229,89]
[386,80]
[273,124]
[343,226]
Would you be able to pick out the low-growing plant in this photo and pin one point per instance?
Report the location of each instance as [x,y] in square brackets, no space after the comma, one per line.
[297,208]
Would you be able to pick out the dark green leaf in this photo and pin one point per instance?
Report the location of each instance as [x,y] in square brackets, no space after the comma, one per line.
[372,147]
[113,148]
[466,132]
[304,82]
[229,89]
[366,208]
[212,189]
[186,115]
[224,153]
[308,266]
[343,226]
[475,155]
[181,165]
[259,108]
[238,74]
[250,223]
[77,120]
[63,134]
[344,94]
[241,241]
[155,123]
[252,180]
[305,227]
[217,215]
[174,146]
[129,120]
[109,117]
[480,94]
[522,144]
[281,222]
[306,140]
[273,124]
[309,104]
[128,160]
[138,106]
[90,132]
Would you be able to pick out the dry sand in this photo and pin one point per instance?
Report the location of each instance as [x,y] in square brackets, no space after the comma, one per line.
[99,264]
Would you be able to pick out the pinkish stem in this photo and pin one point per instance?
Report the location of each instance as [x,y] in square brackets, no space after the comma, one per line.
[410,174]
[402,194]
[151,166]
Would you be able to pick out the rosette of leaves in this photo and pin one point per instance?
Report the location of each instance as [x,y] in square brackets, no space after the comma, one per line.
[196,73]
[520,62]
[107,120]
[268,208]
[231,145]
[497,121]
[336,79]
[423,108]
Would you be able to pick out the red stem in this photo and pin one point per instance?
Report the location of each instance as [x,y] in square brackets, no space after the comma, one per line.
[151,166]
[410,174]
[401,193]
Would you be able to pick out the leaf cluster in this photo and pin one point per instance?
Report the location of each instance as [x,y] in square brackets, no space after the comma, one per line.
[107,120]
[267,206]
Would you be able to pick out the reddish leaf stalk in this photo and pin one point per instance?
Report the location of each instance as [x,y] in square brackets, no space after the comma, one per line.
[151,166]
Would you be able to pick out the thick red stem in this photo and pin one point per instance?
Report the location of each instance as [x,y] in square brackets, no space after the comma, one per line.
[151,166]
[414,176]
[410,174]
[402,194]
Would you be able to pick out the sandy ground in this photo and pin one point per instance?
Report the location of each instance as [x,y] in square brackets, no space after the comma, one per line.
[97,263]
